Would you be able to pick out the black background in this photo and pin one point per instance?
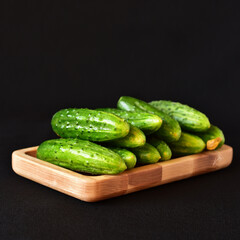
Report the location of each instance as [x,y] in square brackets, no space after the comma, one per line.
[88,54]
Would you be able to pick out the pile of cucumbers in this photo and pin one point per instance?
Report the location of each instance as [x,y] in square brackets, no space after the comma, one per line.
[111,140]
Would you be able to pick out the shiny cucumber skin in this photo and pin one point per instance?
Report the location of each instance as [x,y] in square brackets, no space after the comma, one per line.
[189,118]
[128,157]
[146,122]
[162,147]
[88,124]
[81,156]
[135,138]
[146,154]
[170,130]
[187,144]
[213,137]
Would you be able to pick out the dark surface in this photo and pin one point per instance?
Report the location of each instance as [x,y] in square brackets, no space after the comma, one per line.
[89,54]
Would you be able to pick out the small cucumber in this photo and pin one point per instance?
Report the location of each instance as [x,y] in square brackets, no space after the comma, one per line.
[146,122]
[135,138]
[128,157]
[213,137]
[146,154]
[81,156]
[189,118]
[187,144]
[162,147]
[170,130]
[89,124]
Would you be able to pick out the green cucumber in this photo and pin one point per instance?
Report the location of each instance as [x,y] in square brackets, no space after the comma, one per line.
[135,138]
[146,122]
[162,147]
[187,144]
[88,124]
[128,157]
[170,130]
[146,154]
[81,156]
[213,137]
[189,118]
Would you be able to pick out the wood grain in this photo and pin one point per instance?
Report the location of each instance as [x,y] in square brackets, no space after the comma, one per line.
[96,188]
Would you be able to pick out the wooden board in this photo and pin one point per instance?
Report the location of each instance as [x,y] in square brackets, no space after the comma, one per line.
[96,188]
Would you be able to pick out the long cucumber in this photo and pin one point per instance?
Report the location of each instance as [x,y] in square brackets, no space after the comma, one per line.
[146,154]
[170,130]
[135,138]
[89,125]
[81,156]
[146,122]
[189,118]
[187,144]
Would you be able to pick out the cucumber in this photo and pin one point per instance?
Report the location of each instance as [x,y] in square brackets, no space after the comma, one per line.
[146,154]
[170,130]
[81,156]
[135,138]
[162,147]
[88,124]
[213,137]
[128,157]
[146,122]
[187,144]
[189,118]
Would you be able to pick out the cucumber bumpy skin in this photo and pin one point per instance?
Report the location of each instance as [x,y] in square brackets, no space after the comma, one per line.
[162,147]
[146,154]
[170,130]
[88,124]
[128,157]
[81,156]
[135,138]
[187,144]
[213,137]
[189,118]
[146,122]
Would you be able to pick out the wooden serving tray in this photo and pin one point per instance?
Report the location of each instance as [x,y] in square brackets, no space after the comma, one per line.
[96,188]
